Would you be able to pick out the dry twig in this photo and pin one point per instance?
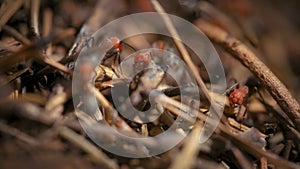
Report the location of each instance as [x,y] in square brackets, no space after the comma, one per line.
[187,58]
[18,134]
[110,110]
[240,51]
[16,34]
[8,11]
[85,145]
[187,156]
[34,15]
[29,51]
[58,99]
[241,158]
[47,26]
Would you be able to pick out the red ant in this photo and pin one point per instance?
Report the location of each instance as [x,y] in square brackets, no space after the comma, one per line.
[87,69]
[238,95]
[116,49]
[142,60]
[237,98]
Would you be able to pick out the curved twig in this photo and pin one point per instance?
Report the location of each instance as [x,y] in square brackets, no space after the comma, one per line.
[241,52]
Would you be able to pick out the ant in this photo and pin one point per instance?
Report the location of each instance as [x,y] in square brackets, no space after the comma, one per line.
[115,51]
[142,60]
[237,98]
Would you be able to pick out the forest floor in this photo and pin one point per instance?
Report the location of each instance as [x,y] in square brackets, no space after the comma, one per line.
[49,116]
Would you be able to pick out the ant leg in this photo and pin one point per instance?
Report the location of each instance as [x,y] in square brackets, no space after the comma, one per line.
[131,47]
[116,64]
[118,58]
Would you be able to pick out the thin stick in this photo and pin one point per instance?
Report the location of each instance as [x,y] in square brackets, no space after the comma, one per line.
[57,65]
[47,26]
[287,149]
[30,111]
[34,16]
[241,52]
[86,146]
[13,32]
[186,56]
[110,110]
[186,158]
[241,158]
[52,63]
[4,5]
[9,11]
[14,76]
[47,22]
[28,51]
[59,99]
[18,134]
[24,54]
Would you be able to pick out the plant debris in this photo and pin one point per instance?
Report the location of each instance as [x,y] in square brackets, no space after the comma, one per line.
[43,126]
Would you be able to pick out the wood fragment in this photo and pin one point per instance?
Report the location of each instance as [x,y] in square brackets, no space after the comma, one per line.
[263,163]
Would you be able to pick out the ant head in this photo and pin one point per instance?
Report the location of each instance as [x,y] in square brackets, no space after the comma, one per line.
[117,44]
